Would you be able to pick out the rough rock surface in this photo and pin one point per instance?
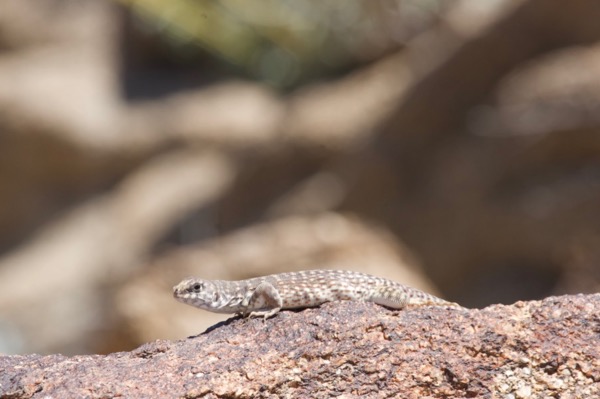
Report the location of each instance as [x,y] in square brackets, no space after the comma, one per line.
[548,348]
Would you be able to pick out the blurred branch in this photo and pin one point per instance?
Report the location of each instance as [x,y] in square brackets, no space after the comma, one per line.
[438,104]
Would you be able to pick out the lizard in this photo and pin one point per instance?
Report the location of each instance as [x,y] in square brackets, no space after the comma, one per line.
[267,295]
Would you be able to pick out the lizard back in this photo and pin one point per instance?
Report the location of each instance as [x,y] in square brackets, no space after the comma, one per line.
[315,287]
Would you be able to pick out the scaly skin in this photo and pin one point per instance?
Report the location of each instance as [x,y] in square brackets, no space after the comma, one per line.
[265,296]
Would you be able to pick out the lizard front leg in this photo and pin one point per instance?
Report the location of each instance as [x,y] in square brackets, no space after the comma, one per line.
[263,301]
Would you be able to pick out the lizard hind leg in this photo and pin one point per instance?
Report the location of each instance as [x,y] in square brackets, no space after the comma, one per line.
[265,301]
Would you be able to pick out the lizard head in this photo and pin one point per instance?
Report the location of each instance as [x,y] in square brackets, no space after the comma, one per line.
[195,292]
[203,294]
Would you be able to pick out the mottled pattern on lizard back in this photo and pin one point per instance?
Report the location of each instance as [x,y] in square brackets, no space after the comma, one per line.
[314,287]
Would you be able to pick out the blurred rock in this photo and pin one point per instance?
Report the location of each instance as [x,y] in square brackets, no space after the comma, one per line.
[341,115]
[61,275]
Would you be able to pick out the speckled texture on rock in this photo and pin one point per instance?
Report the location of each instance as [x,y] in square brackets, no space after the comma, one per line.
[536,349]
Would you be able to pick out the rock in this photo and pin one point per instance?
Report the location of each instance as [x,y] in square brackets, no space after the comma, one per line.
[548,348]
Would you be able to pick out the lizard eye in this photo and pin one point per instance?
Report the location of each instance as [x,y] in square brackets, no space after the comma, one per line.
[197,287]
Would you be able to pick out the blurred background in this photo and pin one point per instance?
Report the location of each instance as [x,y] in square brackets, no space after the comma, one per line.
[450,145]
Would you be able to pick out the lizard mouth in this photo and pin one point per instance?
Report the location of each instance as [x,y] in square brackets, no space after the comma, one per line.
[178,294]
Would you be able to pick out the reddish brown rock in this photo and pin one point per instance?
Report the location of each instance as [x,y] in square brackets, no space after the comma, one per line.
[548,348]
